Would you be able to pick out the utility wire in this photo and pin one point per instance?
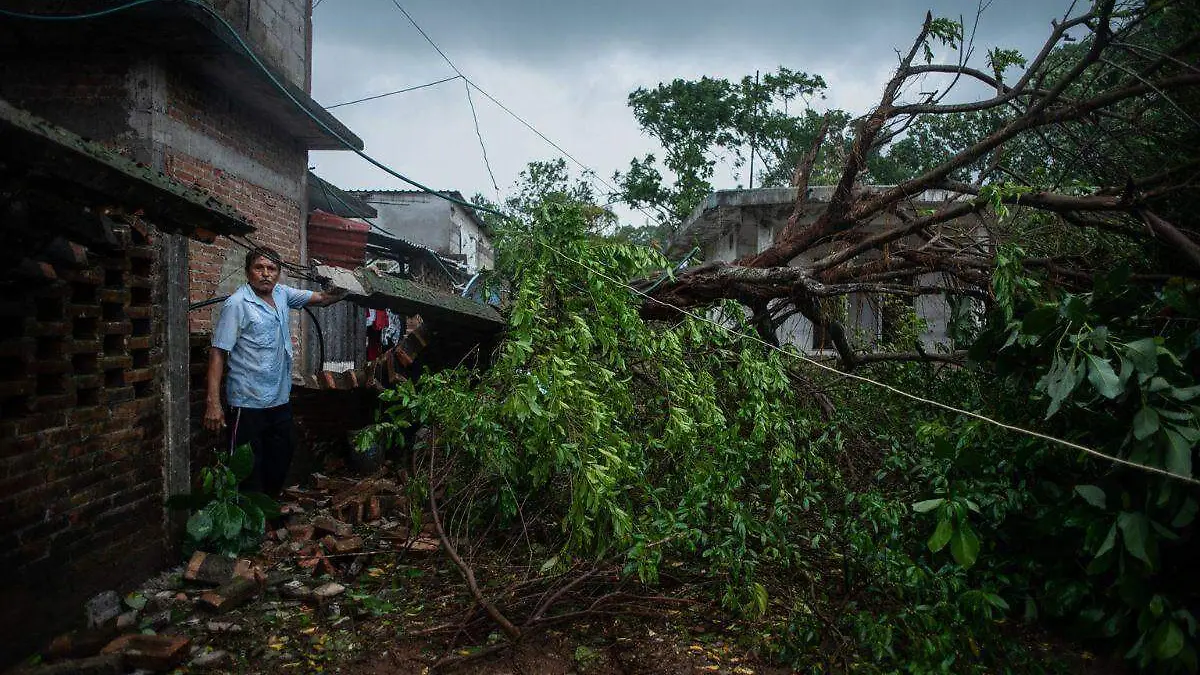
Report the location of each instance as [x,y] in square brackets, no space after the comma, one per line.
[392,93]
[838,373]
[587,171]
[250,53]
[482,147]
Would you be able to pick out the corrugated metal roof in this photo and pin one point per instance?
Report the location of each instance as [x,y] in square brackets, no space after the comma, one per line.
[330,198]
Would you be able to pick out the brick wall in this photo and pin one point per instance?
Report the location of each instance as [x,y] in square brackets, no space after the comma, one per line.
[216,269]
[80,440]
[93,102]
[218,116]
[279,31]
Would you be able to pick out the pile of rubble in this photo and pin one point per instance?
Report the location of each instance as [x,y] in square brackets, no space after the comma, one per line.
[329,534]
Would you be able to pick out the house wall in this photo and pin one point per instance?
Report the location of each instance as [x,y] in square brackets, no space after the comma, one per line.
[84,469]
[472,242]
[81,450]
[432,222]
[280,32]
[418,218]
[745,234]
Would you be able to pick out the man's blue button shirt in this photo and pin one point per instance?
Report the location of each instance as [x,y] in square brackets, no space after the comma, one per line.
[258,339]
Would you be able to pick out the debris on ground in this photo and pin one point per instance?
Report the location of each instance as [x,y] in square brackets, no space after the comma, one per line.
[325,536]
[347,580]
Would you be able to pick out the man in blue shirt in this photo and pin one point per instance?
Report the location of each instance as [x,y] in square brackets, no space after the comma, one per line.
[253,337]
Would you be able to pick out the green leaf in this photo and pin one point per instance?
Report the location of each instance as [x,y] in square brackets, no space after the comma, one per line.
[242,462]
[235,518]
[1059,382]
[1167,641]
[135,601]
[964,546]
[996,601]
[1110,540]
[200,525]
[1102,377]
[941,536]
[1039,321]
[1179,454]
[1186,394]
[267,505]
[1187,513]
[1144,355]
[1135,531]
[1092,495]
[1145,423]
[256,522]
[927,505]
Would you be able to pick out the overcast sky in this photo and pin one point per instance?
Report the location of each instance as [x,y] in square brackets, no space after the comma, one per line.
[567,68]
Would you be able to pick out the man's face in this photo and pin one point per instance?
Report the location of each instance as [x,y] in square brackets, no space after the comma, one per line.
[263,275]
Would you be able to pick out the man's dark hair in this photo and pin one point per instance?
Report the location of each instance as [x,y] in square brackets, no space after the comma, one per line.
[262,252]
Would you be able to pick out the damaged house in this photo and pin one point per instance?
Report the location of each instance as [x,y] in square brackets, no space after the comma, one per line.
[731,224]
[190,136]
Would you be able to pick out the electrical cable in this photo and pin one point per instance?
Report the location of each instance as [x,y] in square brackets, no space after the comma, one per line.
[320,339]
[482,147]
[899,392]
[392,93]
[470,83]
[250,53]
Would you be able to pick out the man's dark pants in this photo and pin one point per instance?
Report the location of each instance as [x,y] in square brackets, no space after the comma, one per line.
[269,433]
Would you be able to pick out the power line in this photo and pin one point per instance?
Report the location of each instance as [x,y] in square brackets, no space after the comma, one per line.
[587,171]
[392,93]
[482,147]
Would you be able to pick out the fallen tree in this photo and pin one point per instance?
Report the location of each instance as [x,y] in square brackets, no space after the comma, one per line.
[1090,132]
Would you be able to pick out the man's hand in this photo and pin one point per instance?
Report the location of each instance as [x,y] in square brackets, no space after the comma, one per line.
[214,417]
[327,298]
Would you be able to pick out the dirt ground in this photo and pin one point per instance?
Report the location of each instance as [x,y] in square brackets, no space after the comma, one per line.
[377,627]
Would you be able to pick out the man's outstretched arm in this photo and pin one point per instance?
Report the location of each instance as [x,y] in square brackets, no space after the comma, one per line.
[326,298]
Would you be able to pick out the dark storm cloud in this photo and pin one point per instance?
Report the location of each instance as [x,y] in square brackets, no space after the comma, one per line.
[567,68]
[549,32]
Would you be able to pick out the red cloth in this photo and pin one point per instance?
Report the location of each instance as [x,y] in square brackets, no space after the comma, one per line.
[375,333]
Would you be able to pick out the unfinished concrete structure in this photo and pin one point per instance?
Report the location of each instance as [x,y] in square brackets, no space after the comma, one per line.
[88,352]
[730,224]
[426,220]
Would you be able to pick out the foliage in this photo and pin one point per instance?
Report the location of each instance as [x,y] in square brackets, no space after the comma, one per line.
[701,123]
[1116,367]
[680,446]
[225,519]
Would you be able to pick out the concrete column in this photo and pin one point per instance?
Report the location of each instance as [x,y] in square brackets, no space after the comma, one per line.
[177,470]
[147,97]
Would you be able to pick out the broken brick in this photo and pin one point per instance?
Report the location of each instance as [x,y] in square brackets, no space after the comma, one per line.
[301,532]
[352,510]
[230,595]
[80,643]
[331,526]
[215,569]
[152,652]
[343,546]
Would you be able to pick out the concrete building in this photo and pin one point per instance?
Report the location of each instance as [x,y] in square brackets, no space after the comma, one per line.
[731,224]
[424,219]
[212,96]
